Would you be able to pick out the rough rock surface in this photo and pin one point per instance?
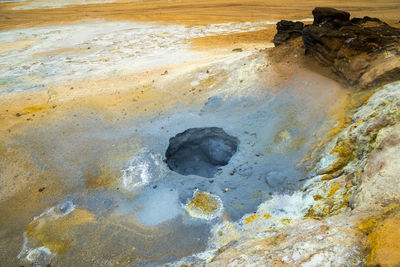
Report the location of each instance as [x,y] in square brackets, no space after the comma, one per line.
[327,14]
[363,51]
[287,30]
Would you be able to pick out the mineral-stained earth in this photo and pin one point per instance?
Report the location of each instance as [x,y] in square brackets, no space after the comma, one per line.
[174,133]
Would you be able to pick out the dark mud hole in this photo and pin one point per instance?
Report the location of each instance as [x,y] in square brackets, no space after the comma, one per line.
[200,151]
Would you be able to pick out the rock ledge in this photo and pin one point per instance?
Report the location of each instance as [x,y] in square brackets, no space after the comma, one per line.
[362,51]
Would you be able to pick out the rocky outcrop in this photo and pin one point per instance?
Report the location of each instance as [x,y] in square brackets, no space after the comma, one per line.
[287,30]
[362,51]
[326,14]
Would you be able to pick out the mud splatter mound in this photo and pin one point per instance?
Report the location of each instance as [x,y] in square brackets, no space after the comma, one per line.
[200,151]
[204,205]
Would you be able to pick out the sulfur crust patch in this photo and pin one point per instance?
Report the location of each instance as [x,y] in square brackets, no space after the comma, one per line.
[55,234]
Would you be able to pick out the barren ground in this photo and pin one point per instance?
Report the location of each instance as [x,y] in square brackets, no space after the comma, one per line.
[74,136]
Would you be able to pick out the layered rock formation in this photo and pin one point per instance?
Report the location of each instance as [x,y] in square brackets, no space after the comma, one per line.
[287,30]
[324,15]
[361,51]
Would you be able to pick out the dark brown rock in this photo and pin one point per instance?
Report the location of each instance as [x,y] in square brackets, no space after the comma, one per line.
[327,14]
[363,51]
[287,30]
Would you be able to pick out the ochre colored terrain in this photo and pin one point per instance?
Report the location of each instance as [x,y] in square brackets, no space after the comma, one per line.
[151,92]
[192,12]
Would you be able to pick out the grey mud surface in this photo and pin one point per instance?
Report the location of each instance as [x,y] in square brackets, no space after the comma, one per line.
[140,219]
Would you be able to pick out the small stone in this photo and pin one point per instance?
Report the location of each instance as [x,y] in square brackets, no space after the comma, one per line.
[18,114]
[237,50]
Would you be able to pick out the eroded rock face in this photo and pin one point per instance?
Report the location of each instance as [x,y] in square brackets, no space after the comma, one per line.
[200,151]
[327,14]
[363,51]
[287,30]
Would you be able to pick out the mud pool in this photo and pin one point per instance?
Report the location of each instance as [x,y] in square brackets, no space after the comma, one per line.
[200,151]
[112,199]
[93,183]
[165,133]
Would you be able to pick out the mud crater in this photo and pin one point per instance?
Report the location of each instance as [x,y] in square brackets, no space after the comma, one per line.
[200,151]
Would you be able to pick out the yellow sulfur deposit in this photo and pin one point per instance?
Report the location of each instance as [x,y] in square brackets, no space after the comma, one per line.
[204,205]
[55,233]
